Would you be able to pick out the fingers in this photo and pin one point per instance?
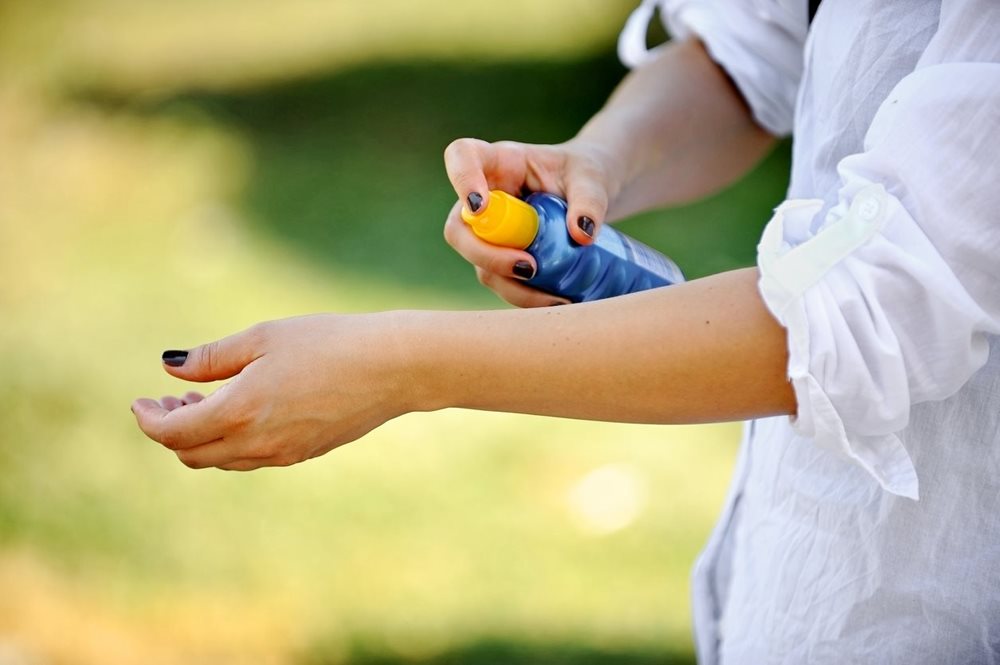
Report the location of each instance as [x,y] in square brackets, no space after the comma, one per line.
[587,201]
[503,261]
[466,161]
[237,454]
[225,454]
[221,359]
[474,166]
[179,426]
[241,465]
[169,402]
[180,423]
[516,293]
[501,269]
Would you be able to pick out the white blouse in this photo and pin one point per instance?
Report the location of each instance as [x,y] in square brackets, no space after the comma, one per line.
[866,529]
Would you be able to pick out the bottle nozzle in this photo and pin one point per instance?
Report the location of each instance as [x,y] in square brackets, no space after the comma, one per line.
[506,221]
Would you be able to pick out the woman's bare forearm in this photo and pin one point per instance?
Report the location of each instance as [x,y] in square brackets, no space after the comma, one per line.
[703,351]
[677,129]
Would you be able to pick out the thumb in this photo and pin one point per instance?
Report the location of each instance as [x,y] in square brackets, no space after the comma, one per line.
[216,360]
[587,202]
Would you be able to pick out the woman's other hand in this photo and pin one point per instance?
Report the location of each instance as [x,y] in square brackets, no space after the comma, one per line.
[300,387]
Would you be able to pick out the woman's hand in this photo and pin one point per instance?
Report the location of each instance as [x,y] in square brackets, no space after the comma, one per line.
[577,171]
[300,387]
[675,130]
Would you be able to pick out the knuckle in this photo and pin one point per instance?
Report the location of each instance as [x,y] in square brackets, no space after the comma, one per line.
[169,438]
[284,459]
[455,148]
[499,265]
[450,230]
[189,460]
[588,199]
[242,416]
[467,180]
[464,144]
[259,333]
[485,278]
[591,160]
[509,145]
[236,417]
[587,165]
[262,449]
[585,184]
[209,356]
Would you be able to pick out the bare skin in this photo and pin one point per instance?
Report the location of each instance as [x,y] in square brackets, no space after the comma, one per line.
[702,351]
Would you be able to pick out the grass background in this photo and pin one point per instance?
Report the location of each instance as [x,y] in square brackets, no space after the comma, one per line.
[172,172]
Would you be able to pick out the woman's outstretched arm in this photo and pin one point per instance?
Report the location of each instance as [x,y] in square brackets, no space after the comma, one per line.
[701,351]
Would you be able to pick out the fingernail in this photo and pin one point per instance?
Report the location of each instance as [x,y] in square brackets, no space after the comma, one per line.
[174,358]
[524,270]
[475,201]
[586,225]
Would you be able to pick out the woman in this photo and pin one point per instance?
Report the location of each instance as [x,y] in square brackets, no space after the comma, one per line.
[861,529]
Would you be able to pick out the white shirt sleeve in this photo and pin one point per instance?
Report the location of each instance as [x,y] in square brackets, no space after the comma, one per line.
[758,43]
[889,297]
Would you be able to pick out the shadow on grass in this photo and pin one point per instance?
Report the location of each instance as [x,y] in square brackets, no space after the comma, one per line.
[502,652]
[349,169]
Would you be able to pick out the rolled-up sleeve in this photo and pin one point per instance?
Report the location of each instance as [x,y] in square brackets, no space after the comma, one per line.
[758,44]
[888,297]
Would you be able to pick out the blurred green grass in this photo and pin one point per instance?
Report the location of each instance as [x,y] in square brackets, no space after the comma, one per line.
[348,169]
[141,211]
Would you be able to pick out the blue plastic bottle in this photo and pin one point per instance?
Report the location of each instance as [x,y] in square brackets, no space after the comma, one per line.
[613,265]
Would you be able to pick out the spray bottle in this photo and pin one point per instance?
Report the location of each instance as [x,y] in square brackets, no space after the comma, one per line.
[613,265]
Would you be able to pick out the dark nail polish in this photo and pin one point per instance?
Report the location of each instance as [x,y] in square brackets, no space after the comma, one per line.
[475,201]
[174,358]
[524,270]
[586,225]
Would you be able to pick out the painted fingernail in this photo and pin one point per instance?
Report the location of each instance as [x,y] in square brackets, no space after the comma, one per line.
[475,201]
[524,270]
[586,225]
[174,358]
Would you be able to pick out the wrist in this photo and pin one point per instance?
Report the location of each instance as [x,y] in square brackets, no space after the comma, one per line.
[416,360]
[446,359]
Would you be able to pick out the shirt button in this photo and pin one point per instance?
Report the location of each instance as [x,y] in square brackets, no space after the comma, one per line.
[868,209]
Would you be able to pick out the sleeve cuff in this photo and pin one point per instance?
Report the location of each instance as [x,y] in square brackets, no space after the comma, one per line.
[761,54]
[769,88]
[786,272]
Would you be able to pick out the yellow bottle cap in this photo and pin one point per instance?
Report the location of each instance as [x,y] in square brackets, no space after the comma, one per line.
[506,221]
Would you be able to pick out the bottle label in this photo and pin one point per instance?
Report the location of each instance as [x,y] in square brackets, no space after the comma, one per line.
[641,255]
[612,266]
